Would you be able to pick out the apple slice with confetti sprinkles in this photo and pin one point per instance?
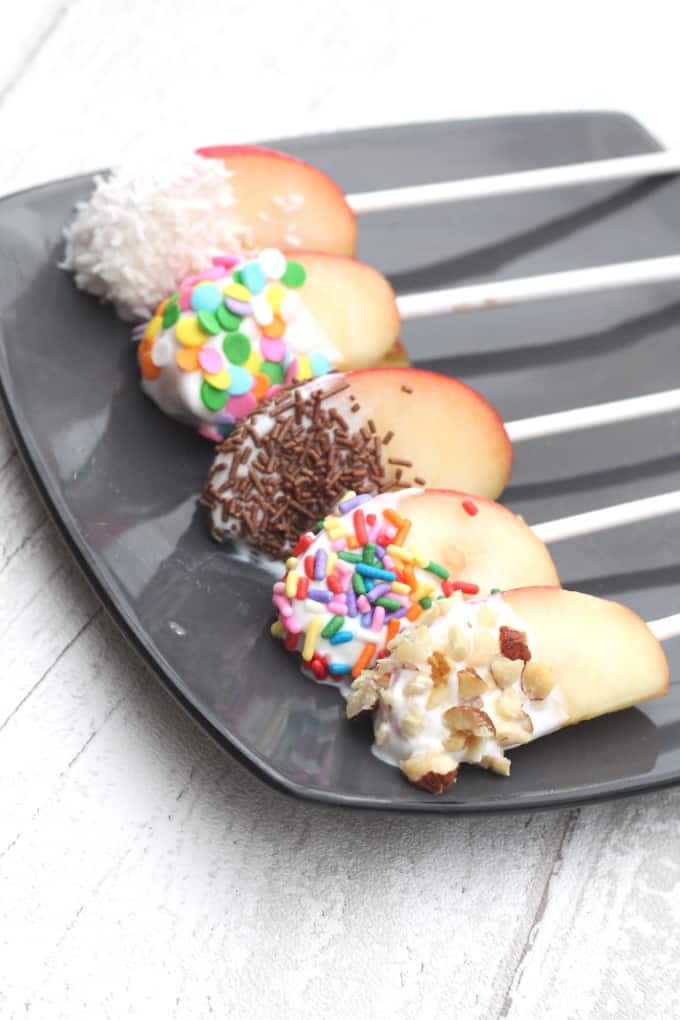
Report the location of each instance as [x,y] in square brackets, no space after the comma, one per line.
[239,330]
[378,563]
[286,465]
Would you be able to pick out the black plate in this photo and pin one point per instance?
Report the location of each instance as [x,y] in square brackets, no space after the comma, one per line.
[121,480]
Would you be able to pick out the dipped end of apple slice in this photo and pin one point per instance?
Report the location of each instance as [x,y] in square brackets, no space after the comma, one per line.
[452,437]
[602,655]
[283,202]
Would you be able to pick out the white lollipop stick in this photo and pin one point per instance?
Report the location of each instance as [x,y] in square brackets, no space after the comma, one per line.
[608,517]
[494,294]
[593,415]
[612,517]
[419,195]
[666,627]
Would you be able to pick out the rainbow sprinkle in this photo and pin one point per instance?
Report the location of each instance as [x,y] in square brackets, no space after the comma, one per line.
[355,598]
[232,326]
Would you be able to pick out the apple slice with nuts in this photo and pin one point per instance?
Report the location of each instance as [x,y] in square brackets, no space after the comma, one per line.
[575,657]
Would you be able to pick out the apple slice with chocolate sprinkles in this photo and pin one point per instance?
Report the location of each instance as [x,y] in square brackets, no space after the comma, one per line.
[288,463]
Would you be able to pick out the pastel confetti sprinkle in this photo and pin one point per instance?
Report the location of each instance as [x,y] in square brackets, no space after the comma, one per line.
[206,297]
[362,596]
[226,329]
[273,263]
[241,381]
[210,360]
[253,277]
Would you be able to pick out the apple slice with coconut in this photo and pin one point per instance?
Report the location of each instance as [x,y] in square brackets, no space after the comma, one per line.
[477,677]
[283,202]
[285,466]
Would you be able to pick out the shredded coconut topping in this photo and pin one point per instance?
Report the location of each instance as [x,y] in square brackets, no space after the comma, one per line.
[146,227]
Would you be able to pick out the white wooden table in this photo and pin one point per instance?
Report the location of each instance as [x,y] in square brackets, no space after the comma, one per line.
[142,872]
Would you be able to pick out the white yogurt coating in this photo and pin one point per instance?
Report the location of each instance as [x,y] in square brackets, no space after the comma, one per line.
[403,724]
[178,391]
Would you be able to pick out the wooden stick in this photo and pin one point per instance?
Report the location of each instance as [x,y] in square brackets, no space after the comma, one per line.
[495,294]
[608,517]
[596,171]
[593,415]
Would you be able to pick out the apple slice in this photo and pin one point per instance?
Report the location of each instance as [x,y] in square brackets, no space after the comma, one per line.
[477,540]
[453,437]
[602,654]
[478,677]
[367,431]
[396,357]
[353,304]
[378,564]
[284,202]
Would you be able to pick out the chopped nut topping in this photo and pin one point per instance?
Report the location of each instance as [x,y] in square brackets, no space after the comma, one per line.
[514,644]
[484,647]
[465,719]
[514,731]
[363,697]
[382,732]
[459,643]
[537,680]
[412,722]
[506,672]
[496,764]
[456,742]
[470,684]
[441,668]
[487,615]
[438,696]
[509,704]
[434,771]
[412,651]
[417,685]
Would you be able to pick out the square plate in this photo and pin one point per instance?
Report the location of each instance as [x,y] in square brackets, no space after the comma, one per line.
[121,480]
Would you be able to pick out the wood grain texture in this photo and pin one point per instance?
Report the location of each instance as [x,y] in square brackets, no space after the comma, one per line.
[142,872]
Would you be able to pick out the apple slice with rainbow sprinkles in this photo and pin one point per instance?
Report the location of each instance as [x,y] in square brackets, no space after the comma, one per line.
[380,562]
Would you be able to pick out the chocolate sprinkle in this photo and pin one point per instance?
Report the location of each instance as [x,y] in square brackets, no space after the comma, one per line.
[304,466]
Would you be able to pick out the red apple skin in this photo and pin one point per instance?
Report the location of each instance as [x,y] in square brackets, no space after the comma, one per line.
[325,221]
[451,434]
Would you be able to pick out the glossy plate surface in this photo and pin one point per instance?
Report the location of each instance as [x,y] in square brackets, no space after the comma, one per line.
[121,480]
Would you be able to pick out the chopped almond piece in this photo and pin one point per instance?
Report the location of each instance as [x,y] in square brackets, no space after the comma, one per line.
[438,696]
[363,697]
[459,643]
[506,672]
[496,764]
[537,680]
[514,644]
[434,771]
[465,719]
[484,647]
[509,704]
[514,731]
[470,684]
[441,668]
